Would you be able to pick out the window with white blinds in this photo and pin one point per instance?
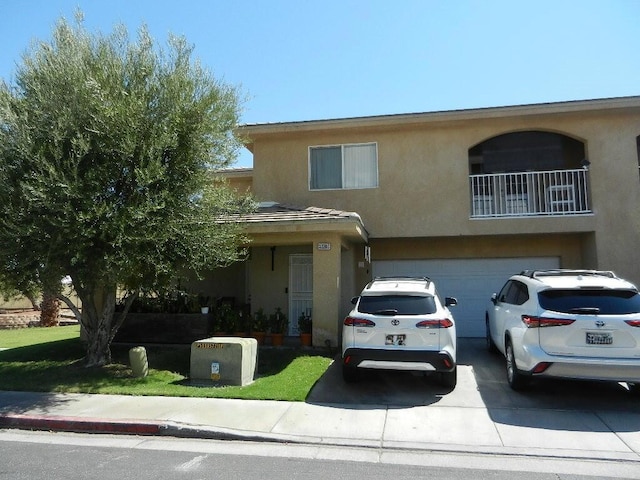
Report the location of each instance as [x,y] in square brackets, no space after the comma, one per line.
[351,166]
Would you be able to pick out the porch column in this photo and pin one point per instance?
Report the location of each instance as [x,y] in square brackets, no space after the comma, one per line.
[326,290]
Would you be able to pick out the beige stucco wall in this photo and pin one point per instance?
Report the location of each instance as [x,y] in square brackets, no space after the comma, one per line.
[423,179]
[241,184]
[333,283]
[269,287]
[570,248]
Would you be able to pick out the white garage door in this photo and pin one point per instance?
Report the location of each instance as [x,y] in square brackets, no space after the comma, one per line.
[471,281]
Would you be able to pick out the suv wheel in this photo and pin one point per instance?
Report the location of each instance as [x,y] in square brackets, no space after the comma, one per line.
[490,345]
[349,374]
[516,380]
[449,379]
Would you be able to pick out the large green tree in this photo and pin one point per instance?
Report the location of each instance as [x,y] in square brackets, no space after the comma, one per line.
[108,148]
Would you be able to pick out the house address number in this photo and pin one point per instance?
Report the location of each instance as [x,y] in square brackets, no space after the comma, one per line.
[324,246]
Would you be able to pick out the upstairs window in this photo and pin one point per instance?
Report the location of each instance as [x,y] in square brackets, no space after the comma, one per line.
[343,166]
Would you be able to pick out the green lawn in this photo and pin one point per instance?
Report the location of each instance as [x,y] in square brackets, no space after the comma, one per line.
[50,360]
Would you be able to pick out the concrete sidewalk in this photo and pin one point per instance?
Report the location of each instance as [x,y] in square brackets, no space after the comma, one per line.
[603,435]
[392,410]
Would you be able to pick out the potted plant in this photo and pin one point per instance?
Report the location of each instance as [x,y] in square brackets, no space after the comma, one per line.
[305,325]
[240,323]
[259,326]
[278,324]
[203,300]
[225,319]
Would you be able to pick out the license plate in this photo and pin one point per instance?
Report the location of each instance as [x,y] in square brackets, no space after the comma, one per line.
[395,340]
[599,338]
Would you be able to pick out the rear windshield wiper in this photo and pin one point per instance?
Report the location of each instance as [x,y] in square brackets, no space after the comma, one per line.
[586,310]
[388,311]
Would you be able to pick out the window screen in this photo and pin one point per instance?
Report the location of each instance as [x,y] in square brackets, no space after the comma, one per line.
[343,166]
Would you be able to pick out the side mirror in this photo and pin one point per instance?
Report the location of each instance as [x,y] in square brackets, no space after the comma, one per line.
[354,300]
[494,298]
[450,302]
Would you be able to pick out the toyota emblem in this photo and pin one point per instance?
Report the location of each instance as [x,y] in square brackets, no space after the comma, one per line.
[395,323]
[600,323]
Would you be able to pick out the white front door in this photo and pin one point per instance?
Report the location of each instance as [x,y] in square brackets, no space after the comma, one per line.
[300,289]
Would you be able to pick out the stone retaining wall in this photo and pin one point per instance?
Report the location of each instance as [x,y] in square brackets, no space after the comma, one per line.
[19,320]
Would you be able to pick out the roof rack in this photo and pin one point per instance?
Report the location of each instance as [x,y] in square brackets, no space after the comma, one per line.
[567,272]
[400,278]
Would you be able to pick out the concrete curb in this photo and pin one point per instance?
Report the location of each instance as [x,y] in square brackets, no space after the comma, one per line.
[178,430]
[81,425]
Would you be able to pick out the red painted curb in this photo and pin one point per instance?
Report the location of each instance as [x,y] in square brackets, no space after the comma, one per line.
[75,424]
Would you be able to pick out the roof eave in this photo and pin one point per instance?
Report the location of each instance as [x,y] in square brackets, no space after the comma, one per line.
[443,116]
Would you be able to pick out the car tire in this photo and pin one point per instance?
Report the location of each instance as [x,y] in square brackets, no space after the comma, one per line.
[449,379]
[516,380]
[349,374]
[491,346]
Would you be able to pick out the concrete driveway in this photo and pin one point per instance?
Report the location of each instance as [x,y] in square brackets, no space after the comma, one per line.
[481,383]
[388,411]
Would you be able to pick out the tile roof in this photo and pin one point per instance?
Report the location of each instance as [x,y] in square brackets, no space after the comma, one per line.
[276,212]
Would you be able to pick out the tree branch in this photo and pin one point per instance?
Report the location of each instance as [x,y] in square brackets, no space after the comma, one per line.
[71,305]
[122,315]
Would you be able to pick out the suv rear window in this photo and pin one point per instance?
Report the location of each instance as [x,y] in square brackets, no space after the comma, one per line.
[603,302]
[397,305]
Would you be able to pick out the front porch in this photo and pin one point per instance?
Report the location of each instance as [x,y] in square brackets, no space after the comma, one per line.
[303,260]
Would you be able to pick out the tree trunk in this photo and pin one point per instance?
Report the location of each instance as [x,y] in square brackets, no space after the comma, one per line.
[99,322]
[98,306]
[98,346]
[49,310]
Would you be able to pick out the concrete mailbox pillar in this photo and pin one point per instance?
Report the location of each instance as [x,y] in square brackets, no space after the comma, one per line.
[224,361]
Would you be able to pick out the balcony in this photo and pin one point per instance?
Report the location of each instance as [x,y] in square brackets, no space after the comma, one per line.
[533,194]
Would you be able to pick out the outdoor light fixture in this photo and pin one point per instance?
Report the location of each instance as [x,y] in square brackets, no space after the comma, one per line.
[585,163]
[273,255]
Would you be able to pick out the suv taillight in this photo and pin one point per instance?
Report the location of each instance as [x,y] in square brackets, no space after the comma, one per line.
[444,323]
[358,322]
[633,323]
[539,322]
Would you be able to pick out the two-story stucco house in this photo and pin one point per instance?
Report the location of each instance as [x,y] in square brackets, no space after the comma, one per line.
[466,197]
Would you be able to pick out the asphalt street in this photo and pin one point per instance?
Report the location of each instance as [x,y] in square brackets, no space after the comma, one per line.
[553,419]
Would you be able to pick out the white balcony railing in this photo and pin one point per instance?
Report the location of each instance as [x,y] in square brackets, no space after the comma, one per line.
[554,192]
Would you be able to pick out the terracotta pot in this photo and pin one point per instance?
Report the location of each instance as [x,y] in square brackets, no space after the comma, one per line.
[277,339]
[259,336]
[305,339]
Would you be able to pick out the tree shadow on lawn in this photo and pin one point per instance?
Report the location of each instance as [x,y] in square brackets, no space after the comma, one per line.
[177,358]
[58,366]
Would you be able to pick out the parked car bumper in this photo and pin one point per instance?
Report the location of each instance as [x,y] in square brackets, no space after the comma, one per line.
[414,360]
[586,368]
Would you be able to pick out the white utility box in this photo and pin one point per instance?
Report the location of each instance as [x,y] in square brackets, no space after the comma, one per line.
[224,361]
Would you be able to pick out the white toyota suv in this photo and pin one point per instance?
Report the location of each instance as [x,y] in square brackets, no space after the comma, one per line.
[400,323]
[580,324]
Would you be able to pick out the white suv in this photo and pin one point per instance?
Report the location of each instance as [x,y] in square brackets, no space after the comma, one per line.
[399,323]
[580,324]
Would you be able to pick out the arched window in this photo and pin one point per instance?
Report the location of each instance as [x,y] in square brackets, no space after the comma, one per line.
[531,151]
[529,173]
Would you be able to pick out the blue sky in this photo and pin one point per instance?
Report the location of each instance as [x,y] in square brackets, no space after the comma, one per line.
[306,60]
